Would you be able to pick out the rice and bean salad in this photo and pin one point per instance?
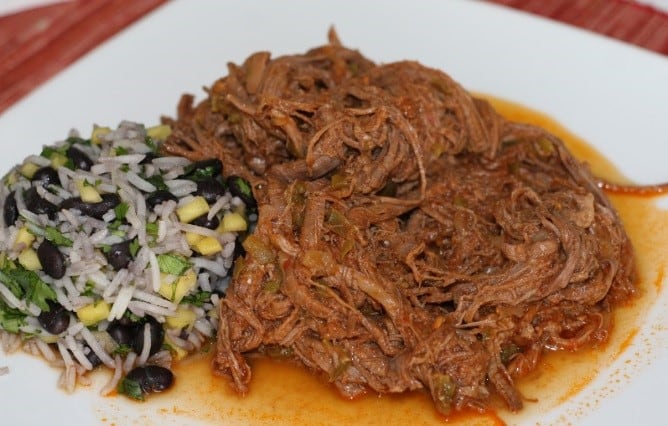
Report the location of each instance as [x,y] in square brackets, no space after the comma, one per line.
[111,254]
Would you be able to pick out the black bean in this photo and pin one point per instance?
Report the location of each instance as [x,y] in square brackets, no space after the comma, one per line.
[148,158]
[119,255]
[211,190]
[56,319]
[240,187]
[96,210]
[52,260]
[79,158]
[151,378]
[39,205]
[92,357]
[204,169]
[239,250]
[46,176]
[122,333]
[159,197]
[205,222]
[10,211]
[157,336]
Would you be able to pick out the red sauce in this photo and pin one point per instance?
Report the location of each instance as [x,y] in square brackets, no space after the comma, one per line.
[284,394]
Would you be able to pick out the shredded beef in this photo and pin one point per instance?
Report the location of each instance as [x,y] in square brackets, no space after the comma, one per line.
[409,237]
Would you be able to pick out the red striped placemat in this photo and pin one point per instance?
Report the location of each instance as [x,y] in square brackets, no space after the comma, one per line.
[38,43]
[625,20]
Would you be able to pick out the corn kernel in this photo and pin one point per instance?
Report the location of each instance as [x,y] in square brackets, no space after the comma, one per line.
[29,260]
[207,246]
[159,132]
[176,290]
[98,132]
[93,313]
[90,195]
[193,209]
[232,222]
[192,238]
[28,170]
[58,160]
[182,318]
[24,238]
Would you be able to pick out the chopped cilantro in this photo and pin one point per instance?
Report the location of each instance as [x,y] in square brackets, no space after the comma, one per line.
[89,289]
[132,317]
[151,143]
[197,299]
[173,264]
[56,237]
[157,181]
[152,229]
[27,285]
[134,247]
[121,150]
[75,139]
[122,350]
[11,319]
[121,210]
[130,388]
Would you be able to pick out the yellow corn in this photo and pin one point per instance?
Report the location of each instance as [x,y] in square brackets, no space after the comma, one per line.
[232,222]
[98,132]
[182,318]
[207,246]
[88,193]
[159,132]
[192,238]
[193,209]
[29,260]
[176,290]
[24,238]
[28,170]
[93,313]
[58,160]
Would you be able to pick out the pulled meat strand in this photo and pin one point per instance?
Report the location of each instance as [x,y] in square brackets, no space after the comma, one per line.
[408,237]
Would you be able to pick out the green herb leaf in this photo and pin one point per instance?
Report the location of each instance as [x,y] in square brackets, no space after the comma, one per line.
[173,264]
[157,181]
[121,150]
[151,144]
[134,247]
[152,229]
[11,319]
[121,210]
[30,286]
[77,140]
[122,350]
[56,237]
[130,388]
[197,299]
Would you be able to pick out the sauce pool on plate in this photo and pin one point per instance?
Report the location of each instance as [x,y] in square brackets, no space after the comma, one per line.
[284,394]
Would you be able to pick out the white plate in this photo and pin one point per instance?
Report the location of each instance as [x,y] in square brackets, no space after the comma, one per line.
[613,95]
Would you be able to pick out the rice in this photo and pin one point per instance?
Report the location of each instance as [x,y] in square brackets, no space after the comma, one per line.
[96,294]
